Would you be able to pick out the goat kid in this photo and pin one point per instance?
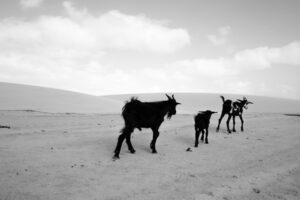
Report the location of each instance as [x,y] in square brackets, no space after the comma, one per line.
[233,109]
[202,120]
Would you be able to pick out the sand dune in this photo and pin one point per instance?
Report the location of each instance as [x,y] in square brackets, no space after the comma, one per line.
[193,102]
[24,97]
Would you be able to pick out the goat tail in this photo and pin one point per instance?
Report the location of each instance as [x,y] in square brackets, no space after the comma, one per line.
[129,104]
[222,97]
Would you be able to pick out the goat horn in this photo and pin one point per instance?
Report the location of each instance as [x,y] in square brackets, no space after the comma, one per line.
[168,96]
[173,96]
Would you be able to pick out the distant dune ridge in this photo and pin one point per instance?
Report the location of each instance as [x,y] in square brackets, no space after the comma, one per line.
[192,102]
[24,97]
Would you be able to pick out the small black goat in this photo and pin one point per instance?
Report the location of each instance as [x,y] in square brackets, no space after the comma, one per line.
[233,109]
[140,115]
[202,123]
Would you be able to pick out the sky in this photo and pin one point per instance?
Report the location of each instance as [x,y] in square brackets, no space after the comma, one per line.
[138,46]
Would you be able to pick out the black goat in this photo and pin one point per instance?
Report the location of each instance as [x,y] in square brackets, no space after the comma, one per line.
[233,109]
[202,123]
[140,115]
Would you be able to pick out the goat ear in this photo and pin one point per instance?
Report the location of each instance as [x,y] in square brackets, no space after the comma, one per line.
[168,96]
[249,102]
[211,112]
[177,103]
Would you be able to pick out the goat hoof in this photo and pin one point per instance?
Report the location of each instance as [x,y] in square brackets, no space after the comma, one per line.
[132,151]
[154,151]
[233,131]
[116,157]
[206,142]
[196,145]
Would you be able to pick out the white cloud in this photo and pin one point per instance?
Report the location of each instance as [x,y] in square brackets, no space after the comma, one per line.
[73,12]
[138,32]
[30,3]
[68,51]
[210,68]
[226,30]
[230,74]
[221,38]
[265,57]
[250,59]
[73,51]
[82,30]
[217,40]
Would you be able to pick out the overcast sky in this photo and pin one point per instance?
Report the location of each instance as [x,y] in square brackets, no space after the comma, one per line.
[139,46]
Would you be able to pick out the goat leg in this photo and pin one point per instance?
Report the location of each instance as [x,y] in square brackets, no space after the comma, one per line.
[242,123]
[206,136]
[155,136]
[202,136]
[227,123]
[220,120]
[128,141]
[233,120]
[120,141]
[197,134]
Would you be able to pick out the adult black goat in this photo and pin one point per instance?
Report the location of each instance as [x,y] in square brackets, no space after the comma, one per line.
[202,120]
[140,115]
[233,109]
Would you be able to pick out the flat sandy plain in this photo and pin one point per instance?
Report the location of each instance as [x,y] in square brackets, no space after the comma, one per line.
[69,156]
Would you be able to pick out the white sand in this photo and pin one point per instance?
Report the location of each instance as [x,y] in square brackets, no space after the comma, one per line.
[59,155]
[68,156]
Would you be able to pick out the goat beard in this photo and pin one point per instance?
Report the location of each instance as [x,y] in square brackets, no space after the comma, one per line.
[169,115]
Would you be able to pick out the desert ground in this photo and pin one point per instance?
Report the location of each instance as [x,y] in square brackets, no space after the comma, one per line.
[69,156]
